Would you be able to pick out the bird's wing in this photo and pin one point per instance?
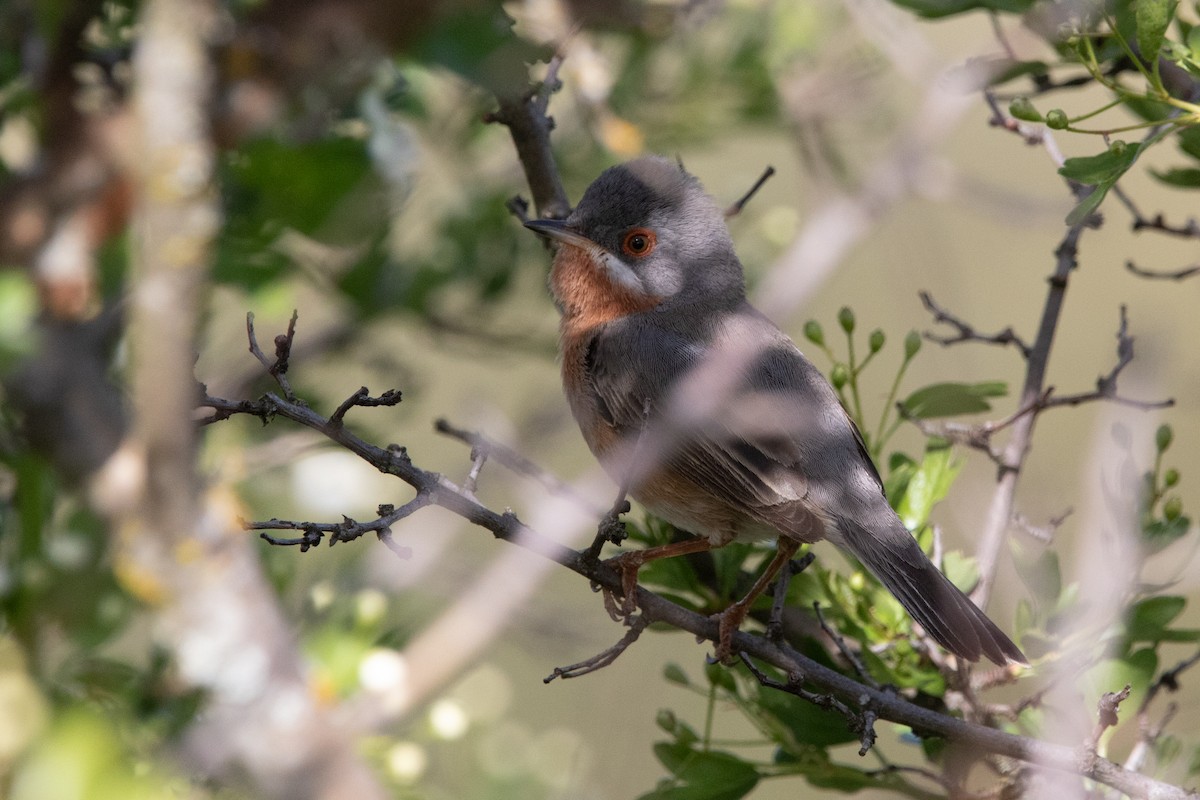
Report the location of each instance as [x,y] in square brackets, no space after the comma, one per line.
[778,430]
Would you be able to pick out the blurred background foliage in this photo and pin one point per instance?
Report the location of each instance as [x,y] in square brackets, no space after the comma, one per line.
[360,183]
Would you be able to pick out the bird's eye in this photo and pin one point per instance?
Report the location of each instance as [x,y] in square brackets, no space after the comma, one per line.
[638,242]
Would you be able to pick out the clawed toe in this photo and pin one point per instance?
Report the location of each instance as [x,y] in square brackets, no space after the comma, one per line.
[627,566]
[728,623]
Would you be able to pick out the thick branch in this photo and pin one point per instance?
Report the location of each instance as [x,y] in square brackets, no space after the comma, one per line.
[1000,513]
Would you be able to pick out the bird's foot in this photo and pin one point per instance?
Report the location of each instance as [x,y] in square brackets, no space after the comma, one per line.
[728,623]
[627,566]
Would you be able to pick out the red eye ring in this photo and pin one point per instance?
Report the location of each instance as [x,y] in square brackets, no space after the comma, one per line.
[638,243]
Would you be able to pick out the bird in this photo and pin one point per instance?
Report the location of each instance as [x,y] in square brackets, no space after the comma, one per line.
[652,295]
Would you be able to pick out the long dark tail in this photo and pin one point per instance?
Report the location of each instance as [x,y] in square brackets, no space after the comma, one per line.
[894,557]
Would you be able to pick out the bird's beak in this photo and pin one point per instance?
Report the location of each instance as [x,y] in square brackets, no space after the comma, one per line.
[559,231]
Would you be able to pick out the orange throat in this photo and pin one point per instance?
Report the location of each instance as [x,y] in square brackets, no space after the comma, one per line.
[587,295]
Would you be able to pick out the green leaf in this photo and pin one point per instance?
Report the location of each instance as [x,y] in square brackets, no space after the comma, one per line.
[1182,177]
[949,399]
[901,468]
[1094,170]
[1149,618]
[934,9]
[1194,766]
[1136,670]
[928,485]
[1189,138]
[1152,18]
[1103,171]
[711,775]
[1041,573]
[961,569]
[1015,69]
[1160,533]
[809,724]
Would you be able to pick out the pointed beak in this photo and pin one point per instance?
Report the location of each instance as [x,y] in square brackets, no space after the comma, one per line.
[559,231]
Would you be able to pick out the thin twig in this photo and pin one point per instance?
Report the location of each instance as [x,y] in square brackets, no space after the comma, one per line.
[510,459]
[965,332]
[1169,275]
[278,368]
[363,398]
[779,595]
[1187,230]
[604,658]
[1106,714]
[737,207]
[345,531]
[860,669]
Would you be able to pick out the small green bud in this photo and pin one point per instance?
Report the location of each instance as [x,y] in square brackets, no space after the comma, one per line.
[839,376]
[846,319]
[1022,108]
[1056,119]
[1163,437]
[912,343]
[875,342]
[1118,147]
[1170,477]
[1172,509]
[665,719]
[673,673]
[814,333]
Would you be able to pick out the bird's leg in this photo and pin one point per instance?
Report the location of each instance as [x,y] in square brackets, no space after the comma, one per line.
[731,618]
[628,564]
[789,570]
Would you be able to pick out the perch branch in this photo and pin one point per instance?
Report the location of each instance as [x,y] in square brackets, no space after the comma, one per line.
[830,688]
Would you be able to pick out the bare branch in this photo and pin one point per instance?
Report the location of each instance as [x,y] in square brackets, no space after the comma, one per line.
[345,531]
[1106,385]
[278,368]
[362,397]
[510,459]
[966,333]
[524,115]
[1169,275]
[1106,714]
[1000,511]
[737,207]
[1186,230]
[602,659]
[860,669]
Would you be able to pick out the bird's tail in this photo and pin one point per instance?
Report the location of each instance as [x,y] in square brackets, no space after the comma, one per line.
[894,557]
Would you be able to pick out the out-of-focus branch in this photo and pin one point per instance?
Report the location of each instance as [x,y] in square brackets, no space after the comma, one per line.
[1167,275]
[179,550]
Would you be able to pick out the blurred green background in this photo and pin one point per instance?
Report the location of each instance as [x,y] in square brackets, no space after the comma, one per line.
[376,209]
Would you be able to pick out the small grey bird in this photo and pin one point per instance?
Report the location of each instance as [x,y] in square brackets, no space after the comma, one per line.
[652,294]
